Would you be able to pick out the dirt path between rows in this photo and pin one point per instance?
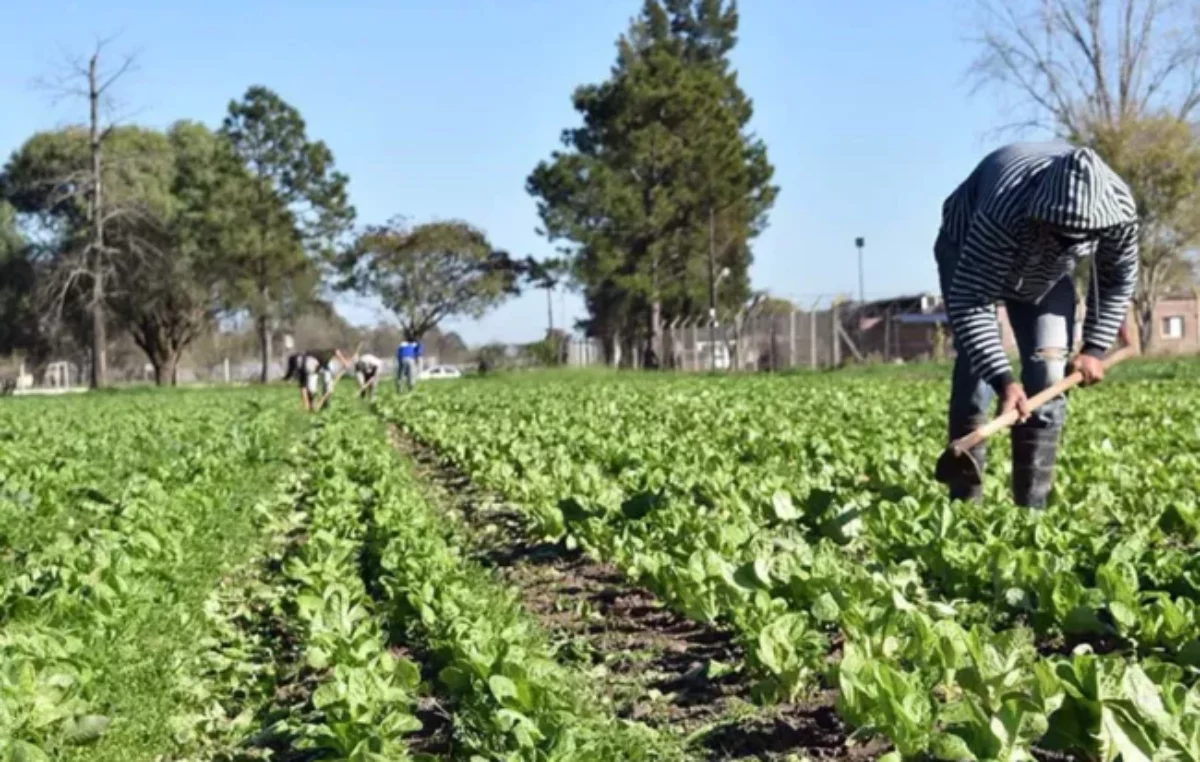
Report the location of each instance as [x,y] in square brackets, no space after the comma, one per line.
[653,665]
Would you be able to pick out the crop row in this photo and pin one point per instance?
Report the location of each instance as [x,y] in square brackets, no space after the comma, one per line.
[512,700]
[790,537]
[300,646]
[295,660]
[1086,569]
[114,536]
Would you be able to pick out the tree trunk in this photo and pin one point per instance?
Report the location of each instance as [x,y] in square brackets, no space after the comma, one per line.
[173,368]
[96,255]
[1144,314]
[99,334]
[264,345]
[550,311]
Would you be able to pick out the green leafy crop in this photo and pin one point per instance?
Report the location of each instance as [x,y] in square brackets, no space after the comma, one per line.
[802,513]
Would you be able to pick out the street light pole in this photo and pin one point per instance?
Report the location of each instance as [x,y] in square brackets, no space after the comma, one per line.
[860,242]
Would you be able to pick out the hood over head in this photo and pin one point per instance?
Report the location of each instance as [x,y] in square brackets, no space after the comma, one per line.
[1079,192]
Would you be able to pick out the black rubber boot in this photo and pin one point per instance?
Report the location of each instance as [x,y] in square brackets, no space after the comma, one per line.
[968,492]
[1034,452]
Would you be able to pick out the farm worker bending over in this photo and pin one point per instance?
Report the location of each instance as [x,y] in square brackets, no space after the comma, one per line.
[366,370]
[407,355]
[311,370]
[1014,231]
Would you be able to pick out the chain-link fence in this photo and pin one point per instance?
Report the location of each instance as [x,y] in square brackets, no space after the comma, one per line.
[750,341]
[769,335]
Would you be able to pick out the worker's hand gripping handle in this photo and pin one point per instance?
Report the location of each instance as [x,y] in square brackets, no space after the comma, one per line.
[1041,398]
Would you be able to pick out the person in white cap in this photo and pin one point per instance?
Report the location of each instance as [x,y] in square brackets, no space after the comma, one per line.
[366,370]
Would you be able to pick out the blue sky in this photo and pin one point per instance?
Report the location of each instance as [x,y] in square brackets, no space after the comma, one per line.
[440,108]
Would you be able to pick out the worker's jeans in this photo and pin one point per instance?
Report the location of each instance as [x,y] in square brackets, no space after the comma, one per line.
[406,374]
[1043,333]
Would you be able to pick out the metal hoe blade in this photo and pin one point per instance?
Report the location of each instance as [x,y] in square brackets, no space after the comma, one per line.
[957,466]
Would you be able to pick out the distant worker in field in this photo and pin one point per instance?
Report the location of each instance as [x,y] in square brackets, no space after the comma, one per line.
[1015,231]
[408,354]
[366,370]
[313,370]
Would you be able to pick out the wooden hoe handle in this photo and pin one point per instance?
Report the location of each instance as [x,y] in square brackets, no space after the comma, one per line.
[1006,420]
[341,372]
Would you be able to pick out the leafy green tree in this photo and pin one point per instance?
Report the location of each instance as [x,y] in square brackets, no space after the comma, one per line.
[662,184]
[294,212]
[1158,155]
[428,273]
[49,180]
[19,320]
[491,358]
[170,292]
[550,350]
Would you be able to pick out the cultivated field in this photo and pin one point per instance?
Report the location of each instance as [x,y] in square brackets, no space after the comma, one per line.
[594,567]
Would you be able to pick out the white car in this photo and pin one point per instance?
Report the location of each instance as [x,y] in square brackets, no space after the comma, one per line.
[440,372]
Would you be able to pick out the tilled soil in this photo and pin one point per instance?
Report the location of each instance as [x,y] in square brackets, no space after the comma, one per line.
[654,665]
[436,736]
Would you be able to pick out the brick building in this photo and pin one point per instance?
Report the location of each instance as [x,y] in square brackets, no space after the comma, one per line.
[911,327]
[1176,324]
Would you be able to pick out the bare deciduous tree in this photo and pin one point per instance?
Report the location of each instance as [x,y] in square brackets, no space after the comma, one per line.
[1124,77]
[92,258]
[1081,62]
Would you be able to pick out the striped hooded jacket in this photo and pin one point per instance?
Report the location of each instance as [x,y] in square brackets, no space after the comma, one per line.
[996,220]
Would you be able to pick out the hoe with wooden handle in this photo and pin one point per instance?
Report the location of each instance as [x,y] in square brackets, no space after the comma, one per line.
[957,466]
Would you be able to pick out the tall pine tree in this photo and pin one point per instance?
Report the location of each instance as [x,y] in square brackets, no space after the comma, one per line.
[662,152]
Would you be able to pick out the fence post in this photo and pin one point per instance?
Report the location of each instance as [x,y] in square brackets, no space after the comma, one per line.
[690,349]
[677,337]
[687,329]
[887,335]
[736,356]
[792,338]
[833,334]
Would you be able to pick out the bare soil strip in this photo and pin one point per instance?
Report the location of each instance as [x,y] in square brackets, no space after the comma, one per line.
[655,665]
[436,736]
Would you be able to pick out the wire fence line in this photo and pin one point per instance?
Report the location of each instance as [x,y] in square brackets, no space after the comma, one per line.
[829,333]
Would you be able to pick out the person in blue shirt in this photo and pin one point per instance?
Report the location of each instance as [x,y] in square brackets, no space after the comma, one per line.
[407,355]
